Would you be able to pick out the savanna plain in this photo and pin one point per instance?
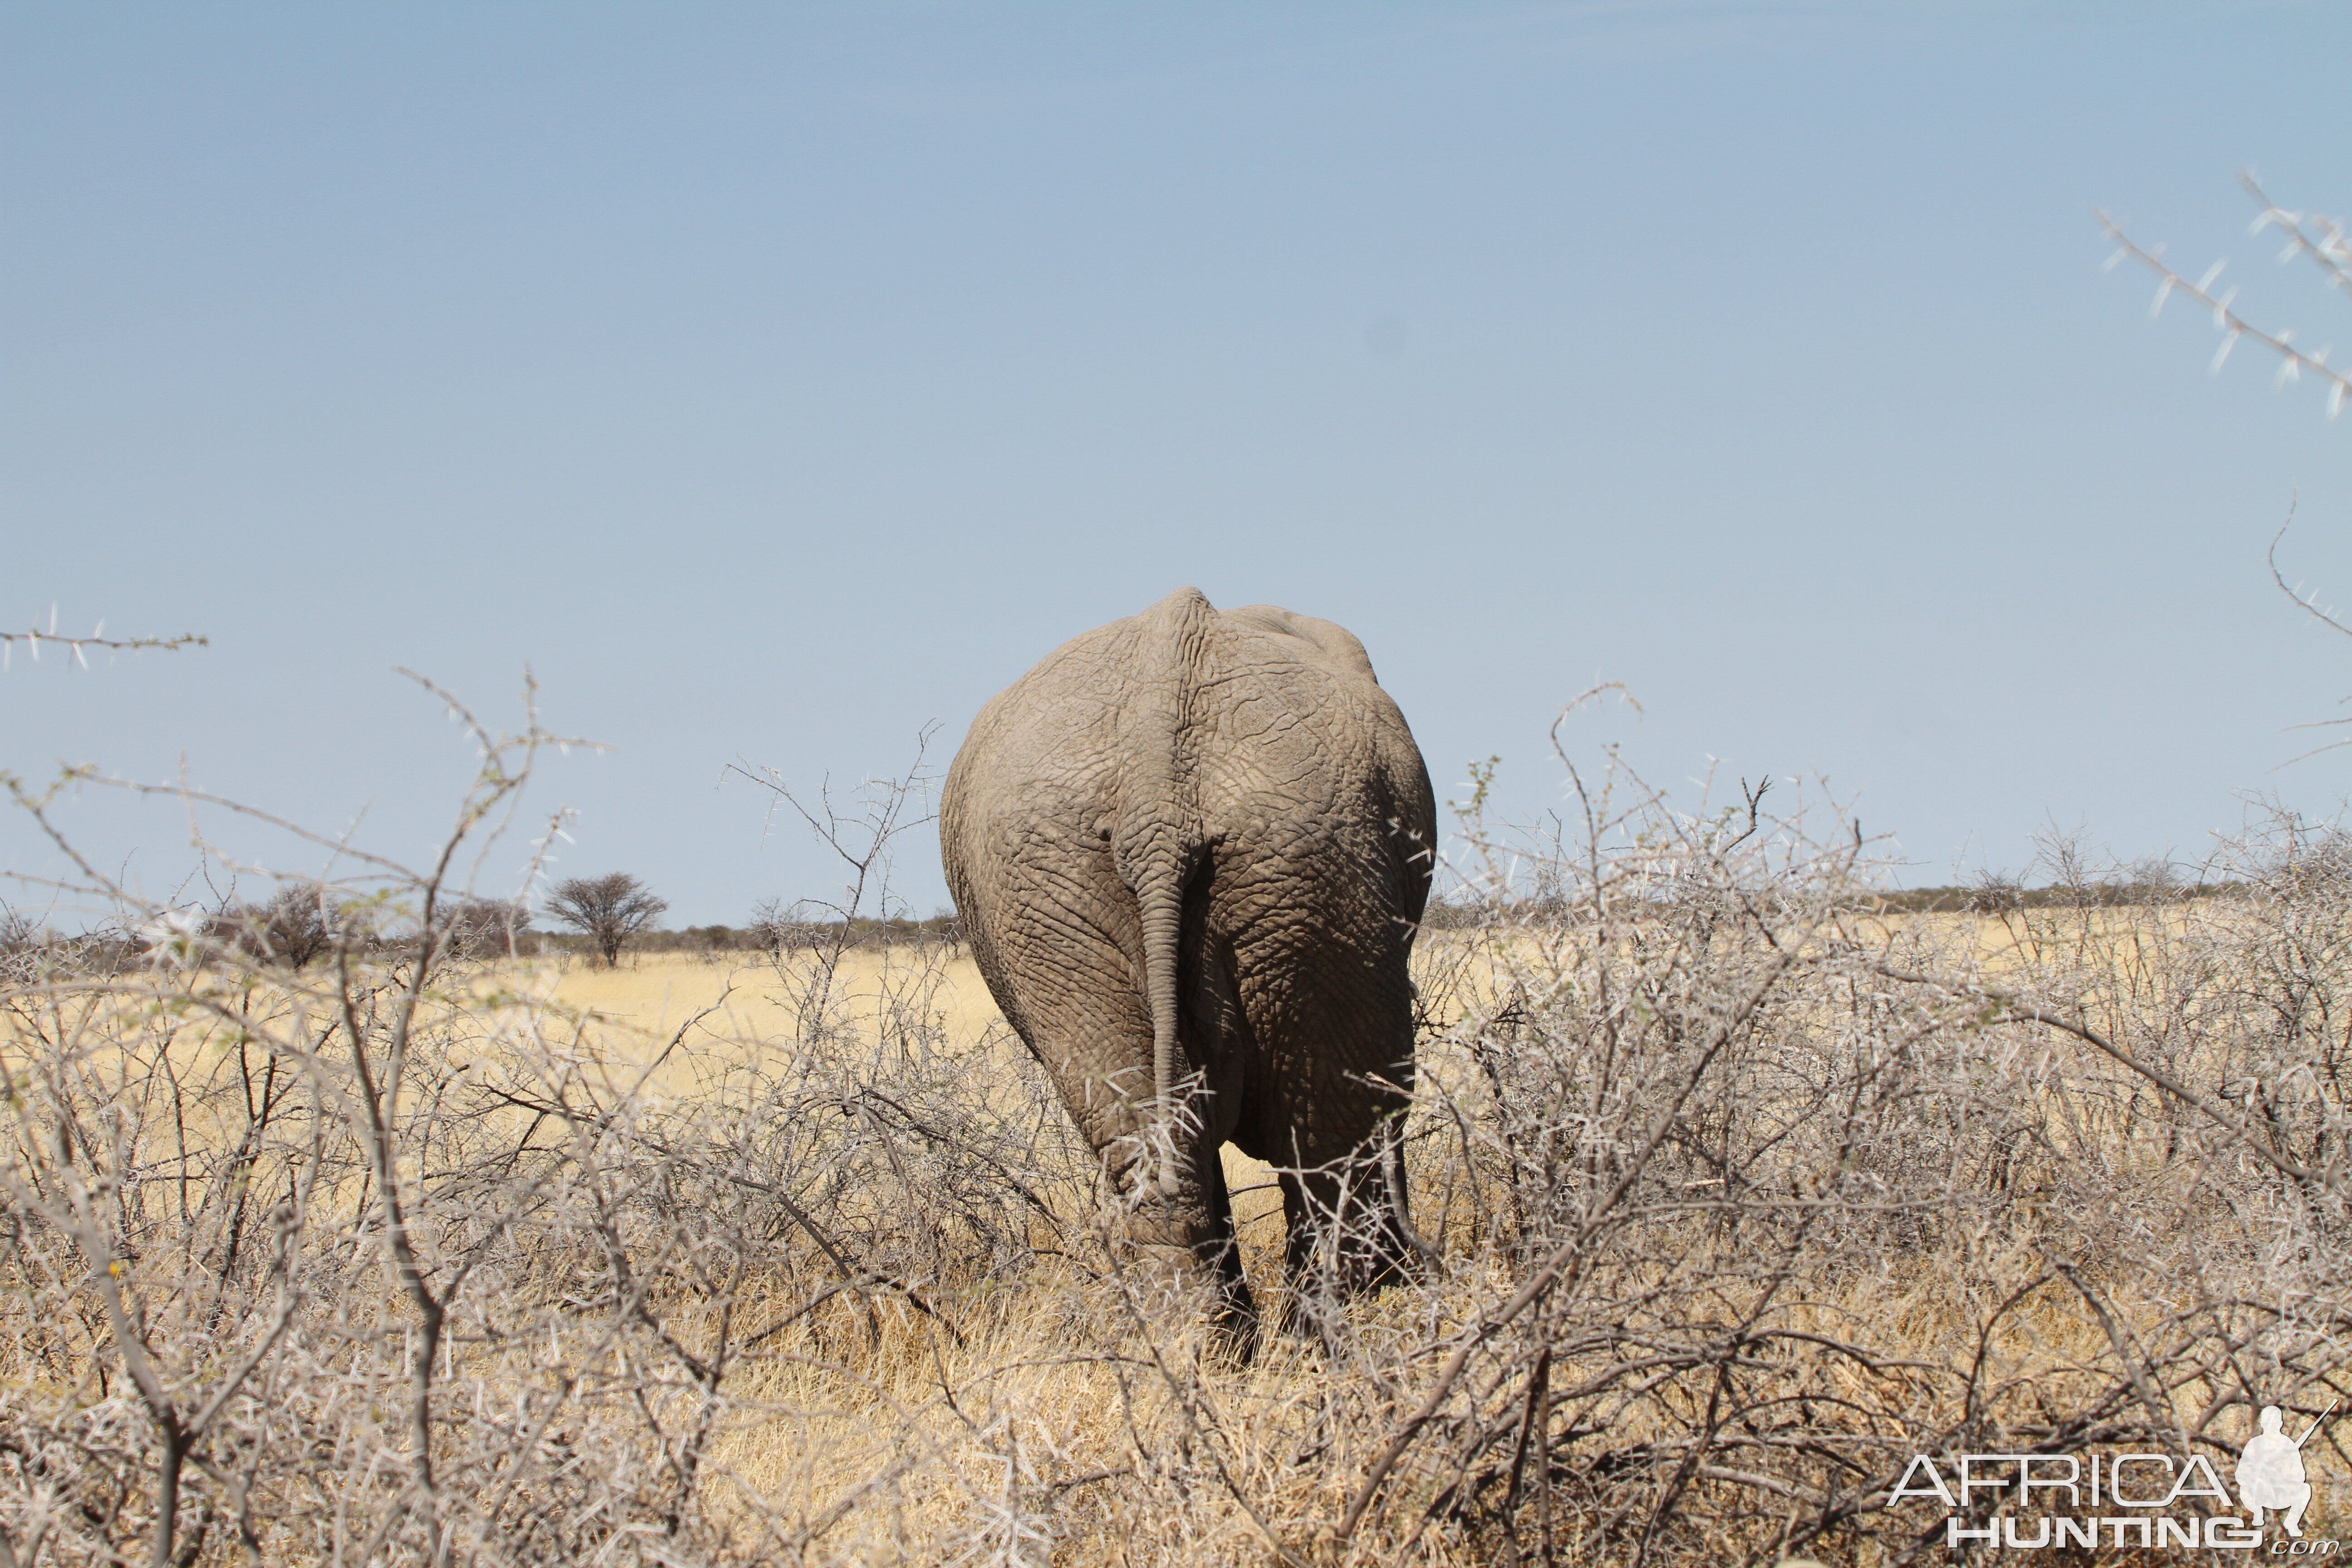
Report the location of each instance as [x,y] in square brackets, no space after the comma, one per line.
[1735,1186]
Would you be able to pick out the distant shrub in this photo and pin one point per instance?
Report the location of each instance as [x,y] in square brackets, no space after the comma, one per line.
[777,926]
[487,928]
[297,925]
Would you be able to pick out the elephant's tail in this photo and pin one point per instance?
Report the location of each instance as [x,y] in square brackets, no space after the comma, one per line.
[1159,841]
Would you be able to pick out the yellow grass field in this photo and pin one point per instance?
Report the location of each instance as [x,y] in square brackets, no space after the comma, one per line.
[636,1009]
[648,997]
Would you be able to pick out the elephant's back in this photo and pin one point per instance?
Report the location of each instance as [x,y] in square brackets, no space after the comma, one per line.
[1270,729]
[1257,674]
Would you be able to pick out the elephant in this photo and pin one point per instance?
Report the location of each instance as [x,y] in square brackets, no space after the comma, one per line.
[1190,850]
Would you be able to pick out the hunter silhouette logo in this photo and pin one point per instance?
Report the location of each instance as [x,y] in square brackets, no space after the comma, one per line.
[2093,1499]
[2269,1470]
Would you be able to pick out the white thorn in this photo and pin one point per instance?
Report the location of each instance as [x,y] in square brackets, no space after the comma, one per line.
[2205,284]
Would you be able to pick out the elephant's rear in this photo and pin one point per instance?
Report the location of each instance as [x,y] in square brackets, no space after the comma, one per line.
[1241,777]
[1193,847]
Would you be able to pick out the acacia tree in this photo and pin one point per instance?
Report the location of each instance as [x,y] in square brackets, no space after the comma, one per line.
[608,911]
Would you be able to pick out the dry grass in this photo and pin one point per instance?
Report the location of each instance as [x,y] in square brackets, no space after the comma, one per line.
[633,1009]
[1733,1201]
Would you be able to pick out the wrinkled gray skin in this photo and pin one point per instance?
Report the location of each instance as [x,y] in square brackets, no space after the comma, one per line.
[1190,849]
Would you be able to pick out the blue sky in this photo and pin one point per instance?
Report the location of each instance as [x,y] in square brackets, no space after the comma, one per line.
[775,379]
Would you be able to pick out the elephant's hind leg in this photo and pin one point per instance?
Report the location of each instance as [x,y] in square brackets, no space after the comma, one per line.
[1066,982]
[1345,1236]
[1340,1240]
